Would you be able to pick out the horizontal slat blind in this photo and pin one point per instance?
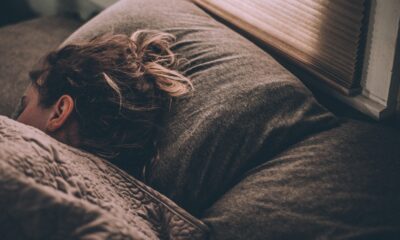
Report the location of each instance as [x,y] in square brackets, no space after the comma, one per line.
[323,36]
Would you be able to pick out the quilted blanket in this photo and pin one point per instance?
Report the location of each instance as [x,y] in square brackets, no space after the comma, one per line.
[49,190]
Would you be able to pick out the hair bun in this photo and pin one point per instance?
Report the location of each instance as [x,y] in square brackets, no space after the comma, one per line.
[154,53]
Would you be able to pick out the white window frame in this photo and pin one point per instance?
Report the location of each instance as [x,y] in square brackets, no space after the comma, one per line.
[381,67]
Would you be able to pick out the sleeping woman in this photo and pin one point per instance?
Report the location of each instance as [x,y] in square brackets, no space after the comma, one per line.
[107,96]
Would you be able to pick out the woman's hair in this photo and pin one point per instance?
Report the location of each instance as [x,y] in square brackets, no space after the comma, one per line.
[120,85]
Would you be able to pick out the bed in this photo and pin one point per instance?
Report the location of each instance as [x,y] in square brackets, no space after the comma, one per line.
[252,155]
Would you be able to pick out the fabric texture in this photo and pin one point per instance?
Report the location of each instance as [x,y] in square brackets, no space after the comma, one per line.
[21,46]
[243,101]
[49,190]
[339,184]
[251,151]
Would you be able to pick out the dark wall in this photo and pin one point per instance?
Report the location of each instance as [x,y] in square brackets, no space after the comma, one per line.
[12,11]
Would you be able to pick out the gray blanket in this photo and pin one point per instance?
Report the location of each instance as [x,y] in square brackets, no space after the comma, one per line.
[49,190]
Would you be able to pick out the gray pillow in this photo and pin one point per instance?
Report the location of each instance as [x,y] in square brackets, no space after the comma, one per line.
[21,45]
[342,183]
[245,109]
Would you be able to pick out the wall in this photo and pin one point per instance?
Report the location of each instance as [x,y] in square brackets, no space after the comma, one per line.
[398,106]
[13,11]
[380,79]
[84,8]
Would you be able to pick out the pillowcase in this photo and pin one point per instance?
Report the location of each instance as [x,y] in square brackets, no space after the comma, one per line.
[49,190]
[338,184]
[21,45]
[245,108]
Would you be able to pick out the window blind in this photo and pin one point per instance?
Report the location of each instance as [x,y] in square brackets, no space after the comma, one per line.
[323,36]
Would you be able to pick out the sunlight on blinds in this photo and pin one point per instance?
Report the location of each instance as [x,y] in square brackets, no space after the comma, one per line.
[323,36]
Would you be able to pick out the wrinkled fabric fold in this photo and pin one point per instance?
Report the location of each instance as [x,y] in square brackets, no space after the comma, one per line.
[49,190]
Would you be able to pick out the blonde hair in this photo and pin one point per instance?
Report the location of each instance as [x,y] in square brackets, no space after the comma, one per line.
[121,86]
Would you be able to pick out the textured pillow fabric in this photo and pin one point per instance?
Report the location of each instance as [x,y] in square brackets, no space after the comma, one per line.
[21,45]
[244,101]
[49,190]
[342,183]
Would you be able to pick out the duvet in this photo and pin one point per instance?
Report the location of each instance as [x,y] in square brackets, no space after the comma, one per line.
[49,190]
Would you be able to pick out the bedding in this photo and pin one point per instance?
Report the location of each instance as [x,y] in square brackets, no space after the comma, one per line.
[245,107]
[21,45]
[49,190]
[342,183]
[304,176]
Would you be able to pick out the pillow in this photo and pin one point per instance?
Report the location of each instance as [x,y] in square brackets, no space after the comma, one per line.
[342,183]
[20,47]
[245,108]
[49,190]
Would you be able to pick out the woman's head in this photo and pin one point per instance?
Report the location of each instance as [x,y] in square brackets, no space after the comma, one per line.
[106,95]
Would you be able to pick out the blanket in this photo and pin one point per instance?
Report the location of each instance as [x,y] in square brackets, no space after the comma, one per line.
[49,190]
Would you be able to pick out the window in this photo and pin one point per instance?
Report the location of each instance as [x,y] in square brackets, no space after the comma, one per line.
[337,41]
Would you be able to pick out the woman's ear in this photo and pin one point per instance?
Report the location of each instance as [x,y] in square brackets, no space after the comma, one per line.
[60,113]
